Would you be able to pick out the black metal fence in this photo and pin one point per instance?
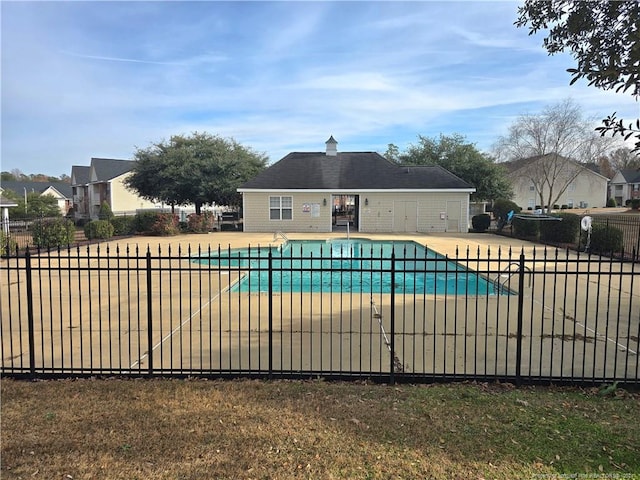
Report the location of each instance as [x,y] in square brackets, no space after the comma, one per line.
[629,225]
[535,316]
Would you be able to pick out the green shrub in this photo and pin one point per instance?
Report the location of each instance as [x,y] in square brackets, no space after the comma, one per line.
[56,232]
[165,224]
[98,229]
[124,225]
[565,231]
[502,206]
[144,221]
[606,239]
[200,223]
[635,203]
[8,245]
[612,202]
[523,228]
[105,212]
[481,222]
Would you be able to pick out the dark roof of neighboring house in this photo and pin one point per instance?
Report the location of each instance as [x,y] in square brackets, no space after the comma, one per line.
[350,171]
[81,173]
[18,187]
[109,168]
[631,175]
[515,165]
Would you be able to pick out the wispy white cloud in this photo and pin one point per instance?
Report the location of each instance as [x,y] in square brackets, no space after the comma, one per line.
[96,79]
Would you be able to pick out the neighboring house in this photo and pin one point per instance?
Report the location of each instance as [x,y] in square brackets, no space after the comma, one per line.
[305,192]
[578,186]
[625,186]
[103,181]
[61,191]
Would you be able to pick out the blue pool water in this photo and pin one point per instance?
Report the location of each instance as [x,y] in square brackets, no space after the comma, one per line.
[356,265]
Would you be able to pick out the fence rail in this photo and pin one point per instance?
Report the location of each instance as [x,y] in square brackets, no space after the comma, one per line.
[545,316]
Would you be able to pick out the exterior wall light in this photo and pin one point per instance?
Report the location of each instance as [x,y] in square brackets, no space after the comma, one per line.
[324,202]
[366,201]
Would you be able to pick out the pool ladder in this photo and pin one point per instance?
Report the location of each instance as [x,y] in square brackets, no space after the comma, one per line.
[281,235]
[505,275]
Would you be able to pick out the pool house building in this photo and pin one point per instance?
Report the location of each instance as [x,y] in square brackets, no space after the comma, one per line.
[323,191]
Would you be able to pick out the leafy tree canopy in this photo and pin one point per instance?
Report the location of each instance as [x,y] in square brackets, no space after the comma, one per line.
[37,206]
[17,175]
[461,158]
[201,169]
[603,36]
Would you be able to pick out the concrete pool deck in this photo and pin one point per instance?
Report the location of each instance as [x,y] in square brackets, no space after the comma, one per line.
[200,325]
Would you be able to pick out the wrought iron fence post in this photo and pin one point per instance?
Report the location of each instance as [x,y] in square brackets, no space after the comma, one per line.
[270,267]
[149,314]
[521,273]
[30,327]
[392,346]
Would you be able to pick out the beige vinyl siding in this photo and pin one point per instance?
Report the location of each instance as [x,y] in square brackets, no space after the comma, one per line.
[588,188]
[378,215]
[124,200]
[256,212]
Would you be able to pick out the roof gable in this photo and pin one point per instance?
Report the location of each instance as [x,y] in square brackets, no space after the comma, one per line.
[80,175]
[105,169]
[630,175]
[18,187]
[350,171]
[513,166]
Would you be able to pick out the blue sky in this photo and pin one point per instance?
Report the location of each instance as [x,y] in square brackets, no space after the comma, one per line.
[97,79]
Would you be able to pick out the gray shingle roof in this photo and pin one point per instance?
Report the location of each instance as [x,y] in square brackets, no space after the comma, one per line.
[38,187]
[514,165]
[350,171]
[109,168]
[631,175]
[81,174]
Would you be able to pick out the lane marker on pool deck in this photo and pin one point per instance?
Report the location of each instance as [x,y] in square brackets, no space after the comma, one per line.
[169,335]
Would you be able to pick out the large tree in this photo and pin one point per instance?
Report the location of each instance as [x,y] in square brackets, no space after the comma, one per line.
[623,158]
[34,205]
[562,143]
[603,37]
[200,169]
[461,158]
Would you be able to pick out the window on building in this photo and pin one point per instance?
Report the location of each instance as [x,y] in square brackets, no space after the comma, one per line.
[532,187]
[281,208]
[532,204]
[571,187]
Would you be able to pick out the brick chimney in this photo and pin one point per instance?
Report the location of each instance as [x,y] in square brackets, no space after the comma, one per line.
[332,147]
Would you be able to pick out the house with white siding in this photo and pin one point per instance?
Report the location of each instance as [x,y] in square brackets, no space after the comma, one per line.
[625,186]
[574,184]
[319,191]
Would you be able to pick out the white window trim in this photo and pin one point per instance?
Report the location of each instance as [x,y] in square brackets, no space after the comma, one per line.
[280,208]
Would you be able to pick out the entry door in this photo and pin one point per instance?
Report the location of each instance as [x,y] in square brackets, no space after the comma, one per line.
[453,216]
[405,216]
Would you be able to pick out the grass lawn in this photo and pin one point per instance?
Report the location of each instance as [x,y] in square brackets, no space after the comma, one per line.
[197,429]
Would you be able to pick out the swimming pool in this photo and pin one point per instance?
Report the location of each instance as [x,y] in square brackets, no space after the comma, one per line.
[355,265]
